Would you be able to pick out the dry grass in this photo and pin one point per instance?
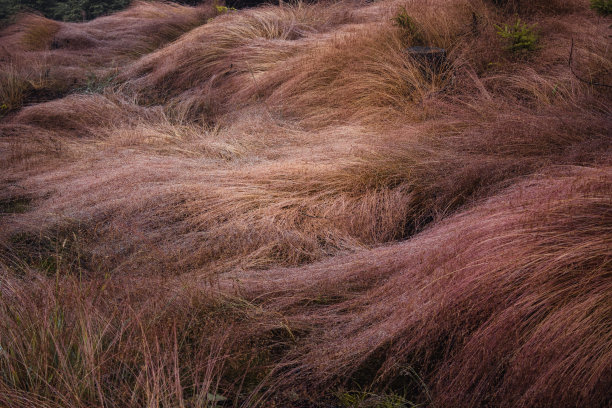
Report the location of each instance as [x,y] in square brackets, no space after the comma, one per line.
[64,57]
[468,305]
[37,32]
[13,89]
[448,232]
[74,345]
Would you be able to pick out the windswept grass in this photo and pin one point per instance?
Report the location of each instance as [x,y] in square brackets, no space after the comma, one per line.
[468,305]
[38,32]
[280,206]
[63,56]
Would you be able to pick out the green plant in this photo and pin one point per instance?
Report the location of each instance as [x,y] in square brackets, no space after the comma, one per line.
[224,9]
[603,7]
[520,36]
[60,251]
[351,399]
[221,10]
[96,84]
[409,26]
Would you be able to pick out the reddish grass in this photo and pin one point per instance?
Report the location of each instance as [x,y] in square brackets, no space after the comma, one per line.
[47,59]
[448,233]
[503,305]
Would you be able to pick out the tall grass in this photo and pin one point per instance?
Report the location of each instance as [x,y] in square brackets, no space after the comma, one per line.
[68,55]
[73,345]
[470,304]
[279,205]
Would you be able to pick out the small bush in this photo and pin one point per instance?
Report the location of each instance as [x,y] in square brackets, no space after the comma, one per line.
[603,7]
[222,10]
[520,36]
[407,24]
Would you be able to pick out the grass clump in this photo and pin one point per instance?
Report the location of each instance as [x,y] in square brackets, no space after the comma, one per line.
[409,27]
[38,33]
[61,250]
[96,84]
[13,88]
[14,205]
[520,36]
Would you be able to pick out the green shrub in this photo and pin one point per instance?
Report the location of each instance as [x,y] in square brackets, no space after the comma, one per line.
[603,7]
[520,36]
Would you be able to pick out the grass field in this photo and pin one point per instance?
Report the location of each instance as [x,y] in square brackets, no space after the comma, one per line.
[280,207]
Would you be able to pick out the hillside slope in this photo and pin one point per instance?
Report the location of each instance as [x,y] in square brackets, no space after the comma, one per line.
[279,206]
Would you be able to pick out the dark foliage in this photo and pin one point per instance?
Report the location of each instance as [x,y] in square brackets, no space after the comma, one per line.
[80,10]
[66,10]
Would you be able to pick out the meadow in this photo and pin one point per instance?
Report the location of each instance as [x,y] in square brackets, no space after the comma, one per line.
[279,206]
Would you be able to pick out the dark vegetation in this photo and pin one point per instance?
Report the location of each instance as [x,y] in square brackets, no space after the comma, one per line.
[82,10]
[603,7]
[70,10]
[280,206]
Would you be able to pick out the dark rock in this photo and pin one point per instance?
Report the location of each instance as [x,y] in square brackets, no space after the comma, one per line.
[431,59]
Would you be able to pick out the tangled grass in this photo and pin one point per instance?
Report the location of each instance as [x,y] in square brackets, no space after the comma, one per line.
[277,206]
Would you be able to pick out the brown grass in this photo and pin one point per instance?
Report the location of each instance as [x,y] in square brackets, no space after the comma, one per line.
[38,32]
[62,57]
[470,304]
[280,206]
